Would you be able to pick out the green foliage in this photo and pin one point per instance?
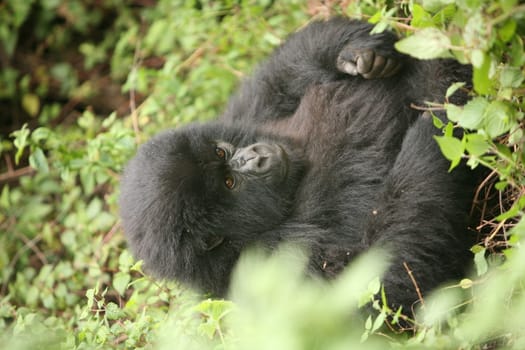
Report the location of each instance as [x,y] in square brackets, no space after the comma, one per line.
[66,279]
[490,37]
[426,43]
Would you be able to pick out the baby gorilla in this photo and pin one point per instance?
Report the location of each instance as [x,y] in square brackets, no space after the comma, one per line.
[320,147]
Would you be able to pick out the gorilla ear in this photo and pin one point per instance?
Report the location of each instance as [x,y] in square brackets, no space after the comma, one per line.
[212,242]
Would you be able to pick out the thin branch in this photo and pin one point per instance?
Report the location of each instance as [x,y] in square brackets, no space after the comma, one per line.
[481,186]
[427,108]
[198,53]
[11,175]
[506,15]
[414,282]
[31,243]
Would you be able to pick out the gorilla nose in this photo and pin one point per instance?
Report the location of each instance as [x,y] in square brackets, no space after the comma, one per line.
[254,163]
[257,164]
[256,158]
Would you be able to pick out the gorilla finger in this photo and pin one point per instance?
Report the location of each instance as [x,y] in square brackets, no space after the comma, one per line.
[348,53]
[346,66]
[392,67]
[379,63]
[365,61]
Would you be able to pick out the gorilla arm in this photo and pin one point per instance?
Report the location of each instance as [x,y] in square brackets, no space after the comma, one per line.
[322,52]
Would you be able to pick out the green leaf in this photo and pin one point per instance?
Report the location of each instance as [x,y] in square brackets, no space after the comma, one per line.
[375,18]
[374,286]
[452,149]
[368,323]
[435,5]
[125,260]
[438,123]
[477,58]
[272,38]
[395,319]
[514,211]
[506,32]
[121,281]
[208,329]
[497,118]
[517,52]
[453,88]
[38,161]
[4,197]
[445,14]
[511,77]
[40,134]
[519,228]
[448,131]
[476,145]
[113,312]
[31,104]
[94,208]
[481,77]
[378,322]
[427,43]
[474,32]
[107,122]
[480,262]
[364,336]
[137,266]
[472,115]
[20,141]
[420,18]
[516,136]
[504,151]
[476,249]
[453,112]
[215,309]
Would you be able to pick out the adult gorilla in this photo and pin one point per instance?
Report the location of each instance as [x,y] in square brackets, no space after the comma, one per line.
[321,146]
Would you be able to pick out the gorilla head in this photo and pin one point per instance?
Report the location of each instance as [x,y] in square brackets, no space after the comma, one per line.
[187,188]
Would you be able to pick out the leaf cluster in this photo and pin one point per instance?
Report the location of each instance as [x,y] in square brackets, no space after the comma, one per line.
[489,36]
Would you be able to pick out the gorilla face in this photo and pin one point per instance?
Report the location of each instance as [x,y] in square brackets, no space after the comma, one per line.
[187,188]
[265,161]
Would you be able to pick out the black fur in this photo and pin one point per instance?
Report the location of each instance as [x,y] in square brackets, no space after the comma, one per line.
[365,171]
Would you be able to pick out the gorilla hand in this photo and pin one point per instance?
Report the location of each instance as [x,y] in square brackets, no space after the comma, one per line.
[367,62]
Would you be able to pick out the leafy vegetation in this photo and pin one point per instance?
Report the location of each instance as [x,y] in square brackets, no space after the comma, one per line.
[82,82]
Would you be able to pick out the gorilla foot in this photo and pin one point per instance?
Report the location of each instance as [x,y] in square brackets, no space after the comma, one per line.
[367,63]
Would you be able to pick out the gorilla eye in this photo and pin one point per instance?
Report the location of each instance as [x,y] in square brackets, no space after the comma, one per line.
[220,152]
[229,181]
